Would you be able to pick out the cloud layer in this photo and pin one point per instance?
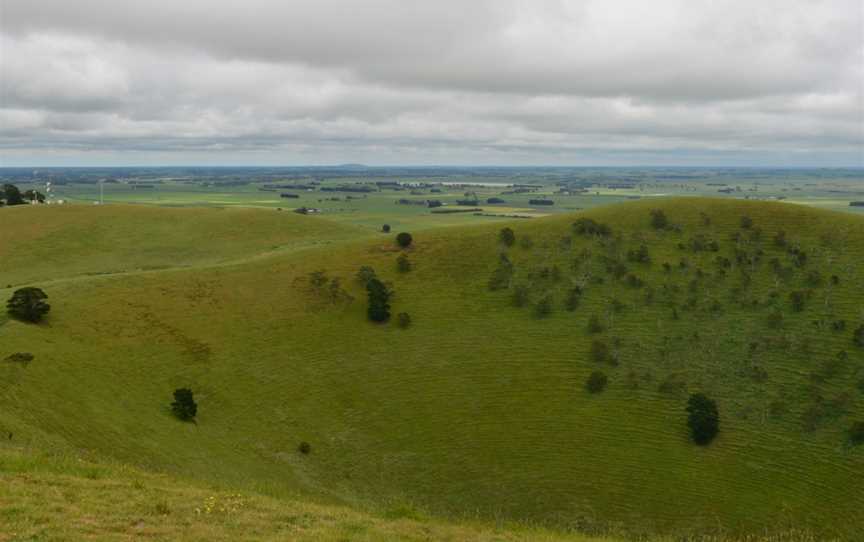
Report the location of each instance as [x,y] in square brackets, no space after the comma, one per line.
[445,82]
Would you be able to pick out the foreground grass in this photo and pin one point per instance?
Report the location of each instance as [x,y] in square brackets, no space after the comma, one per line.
[478,409]
[66,499]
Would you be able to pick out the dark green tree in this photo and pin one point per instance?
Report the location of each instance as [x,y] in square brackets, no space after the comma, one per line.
[184,405]
[507,237]
[385,228]
[28,305]
[404,239]
[379,300]
[703,419]
[11,195]
[596,382]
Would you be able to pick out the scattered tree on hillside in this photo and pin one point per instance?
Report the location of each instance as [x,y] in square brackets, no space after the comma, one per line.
[543,308]
[589,226]
[780,239]
[507,237]
[404,320]
[365,274]
[304,448]
[858,336]
[574,295]
[599,351]
[797,298]
[520,296]
[659,220]
[404,239]
[500,278]
[403,264]
[385,228]
[594,324]
[596,382]
[28,304]
[703,419]
[639,255]
[184,405]
[856,433]
[379,300]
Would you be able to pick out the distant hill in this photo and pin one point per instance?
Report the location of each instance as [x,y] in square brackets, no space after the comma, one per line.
[479,409]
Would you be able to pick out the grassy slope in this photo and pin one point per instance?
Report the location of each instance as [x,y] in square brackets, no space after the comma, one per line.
[42,243]
[65,499]
[478,409]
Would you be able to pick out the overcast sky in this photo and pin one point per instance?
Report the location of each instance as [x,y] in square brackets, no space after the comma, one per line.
[508,82]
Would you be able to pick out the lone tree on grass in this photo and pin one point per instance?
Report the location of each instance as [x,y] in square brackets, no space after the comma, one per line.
[184,406]
[28,305]
[379,300]
[596,382]
[507,237]
[385,228]
[404,239]
[703,419]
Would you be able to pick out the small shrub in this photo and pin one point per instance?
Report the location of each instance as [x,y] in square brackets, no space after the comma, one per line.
[703,419]
[162,508]
[403,319]
[385,228]
[596,382]
[403,264]
[20,357]
[28,305]
[507,237]
[184,405]
[746,222]
[304,448]
[404,239]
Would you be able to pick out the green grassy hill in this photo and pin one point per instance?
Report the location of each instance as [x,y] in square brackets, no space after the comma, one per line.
[479,409]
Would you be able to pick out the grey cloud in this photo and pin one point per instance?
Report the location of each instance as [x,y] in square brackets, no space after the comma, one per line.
[487,80]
